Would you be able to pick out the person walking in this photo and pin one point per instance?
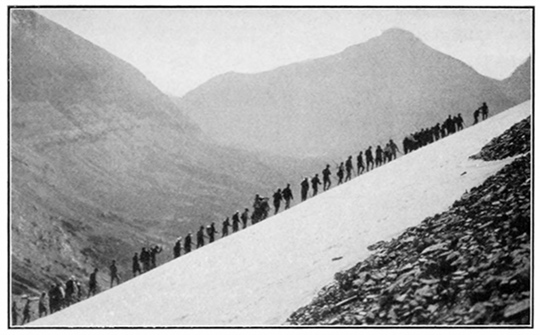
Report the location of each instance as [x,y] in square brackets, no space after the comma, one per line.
[176,251]
[211,232]
[225,227]
[156,249]
[42,306]
[26,312]
[378,156]
[315,182]
[394,148]
[92,283]
[277,200]
[476,114]
[200,237]
[145,259]
[114,273]
[187,243]
[235,222]
[459,122]
[326,178]
[359,163]
[287,196]
[340,173]
[14,313]
[369,158]
[348,168]
[304,187]
[245,217]
[485,111]
[135,265]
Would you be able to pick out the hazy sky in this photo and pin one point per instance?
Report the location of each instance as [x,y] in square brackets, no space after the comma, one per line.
[179,49]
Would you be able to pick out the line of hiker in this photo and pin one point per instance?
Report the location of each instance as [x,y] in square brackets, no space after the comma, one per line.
[451,125]
[143,262]
[61,296]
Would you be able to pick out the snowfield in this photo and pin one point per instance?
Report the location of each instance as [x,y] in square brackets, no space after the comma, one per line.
[259,276]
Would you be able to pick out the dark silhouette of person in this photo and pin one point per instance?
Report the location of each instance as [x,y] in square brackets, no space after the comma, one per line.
[485,111]
[235,221]
[153,253]
[92,283]
[277,200]
[187,243]
[211,232]
[304,187]
[225,227]
[70,291]
[315,182]
[61,294]
[14,313]
[42,306]
[114,273]
[436,131]
[450,126]
[245,217]
[26,312]
[442,132]
[177,249]
[476,114]
[326,178]
[369,158]
[200,237]
[340,173]
[348,168]
[79,290]
[455,122]
[378,156]
[136,266]
[52,299]
[359,163]
[260,209]
[394,148]
[144,257]
[387,153]
[459,122]
[287,196]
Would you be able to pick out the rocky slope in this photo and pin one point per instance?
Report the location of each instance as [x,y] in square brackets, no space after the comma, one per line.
[469,265]
[386,87]
[103,163]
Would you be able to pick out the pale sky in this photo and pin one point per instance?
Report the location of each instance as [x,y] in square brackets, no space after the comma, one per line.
[179,49]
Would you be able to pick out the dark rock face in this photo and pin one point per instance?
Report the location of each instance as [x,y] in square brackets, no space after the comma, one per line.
[514,141]
[467,266]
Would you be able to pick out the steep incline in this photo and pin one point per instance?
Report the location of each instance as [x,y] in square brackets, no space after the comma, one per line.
[261,275]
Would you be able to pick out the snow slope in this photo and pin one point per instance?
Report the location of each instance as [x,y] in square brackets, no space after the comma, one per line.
[260,275]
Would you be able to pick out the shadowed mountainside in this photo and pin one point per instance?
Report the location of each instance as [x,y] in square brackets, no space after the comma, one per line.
[386,87]
[103,163]
[518,85]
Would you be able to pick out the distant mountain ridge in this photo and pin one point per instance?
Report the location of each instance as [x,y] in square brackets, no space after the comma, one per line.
[386,87]
[103,163]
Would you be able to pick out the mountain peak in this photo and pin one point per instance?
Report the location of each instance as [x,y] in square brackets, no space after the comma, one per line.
[398,34]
